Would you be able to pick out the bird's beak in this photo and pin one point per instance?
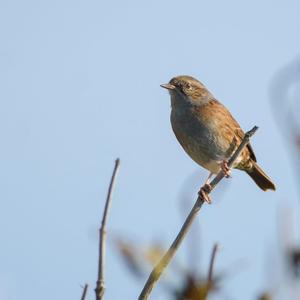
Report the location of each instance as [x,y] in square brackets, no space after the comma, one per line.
[168,86]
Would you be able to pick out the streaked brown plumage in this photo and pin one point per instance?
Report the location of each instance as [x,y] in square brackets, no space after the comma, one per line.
[207,131]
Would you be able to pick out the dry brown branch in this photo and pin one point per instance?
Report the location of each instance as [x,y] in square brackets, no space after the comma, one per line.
[211,264]
[100,287]
[84,292]
[165,260]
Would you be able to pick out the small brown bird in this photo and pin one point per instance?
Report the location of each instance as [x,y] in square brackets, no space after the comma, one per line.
[208,132]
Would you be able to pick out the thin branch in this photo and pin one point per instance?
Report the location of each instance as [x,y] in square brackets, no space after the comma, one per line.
[100,287]
[84,292]
[165,260]
[212,263]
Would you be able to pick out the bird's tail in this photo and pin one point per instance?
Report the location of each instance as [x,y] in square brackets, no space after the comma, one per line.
[260,178]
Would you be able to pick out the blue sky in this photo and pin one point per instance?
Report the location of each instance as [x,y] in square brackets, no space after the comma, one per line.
[80,87]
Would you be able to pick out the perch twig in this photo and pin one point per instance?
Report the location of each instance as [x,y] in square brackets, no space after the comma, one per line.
[165,260]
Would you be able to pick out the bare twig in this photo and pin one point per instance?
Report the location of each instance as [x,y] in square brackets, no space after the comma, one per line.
[211,264]
[100,288]
[165,260]
[85,288]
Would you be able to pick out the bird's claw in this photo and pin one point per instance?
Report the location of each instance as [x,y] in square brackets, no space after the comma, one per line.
[204,191]
[225,169]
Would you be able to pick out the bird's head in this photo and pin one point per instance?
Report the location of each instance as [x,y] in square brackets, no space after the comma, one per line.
[187,89]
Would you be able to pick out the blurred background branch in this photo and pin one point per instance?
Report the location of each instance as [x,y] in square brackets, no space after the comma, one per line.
[285,98]
[211,264]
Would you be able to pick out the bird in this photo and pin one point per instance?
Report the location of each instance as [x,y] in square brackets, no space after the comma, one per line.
[208,132]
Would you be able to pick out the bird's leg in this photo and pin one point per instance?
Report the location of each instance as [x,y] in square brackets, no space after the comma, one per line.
[205,189]
[207,181]
[224,167]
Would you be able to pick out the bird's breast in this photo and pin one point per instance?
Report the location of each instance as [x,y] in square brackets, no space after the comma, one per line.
[199,138]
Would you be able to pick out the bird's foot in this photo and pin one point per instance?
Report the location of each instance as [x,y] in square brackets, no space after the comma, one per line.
[226,170]
[204,191]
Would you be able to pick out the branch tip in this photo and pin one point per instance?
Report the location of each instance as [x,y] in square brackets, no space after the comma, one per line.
[84,292]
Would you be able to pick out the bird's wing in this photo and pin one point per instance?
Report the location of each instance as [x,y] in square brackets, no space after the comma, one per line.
[227,124]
